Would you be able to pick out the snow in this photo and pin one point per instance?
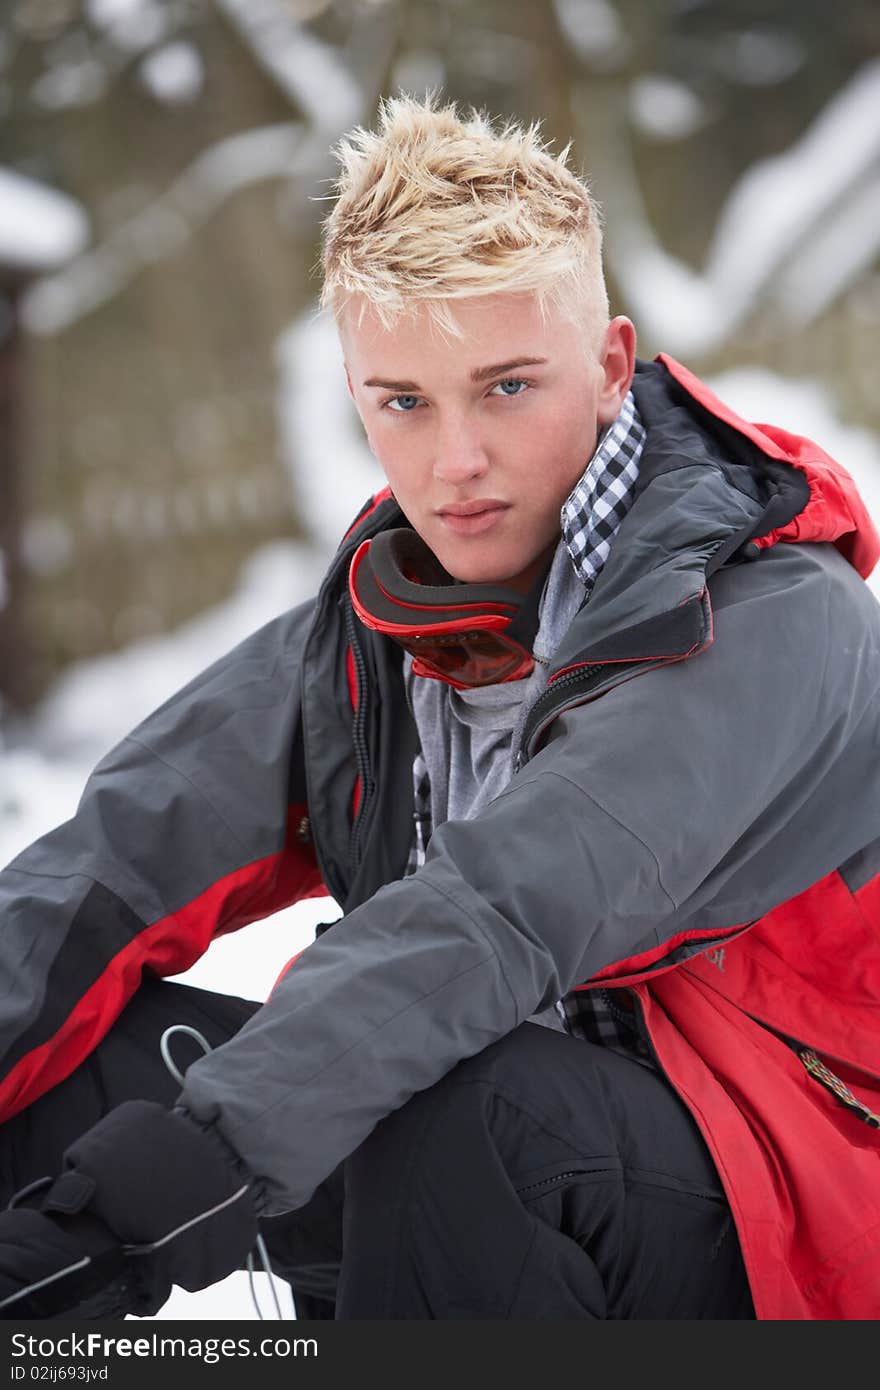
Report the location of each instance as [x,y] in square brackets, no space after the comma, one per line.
[307,70]
[40,228]
[593,29]
[76,81]
[234,163]
[46,545]
[664,108]
[174,74]
[759,57]
[778,200]
[312,74]
[834,259]
[780,216]
[96,702]
[131,24]
[57,301]
[331,472]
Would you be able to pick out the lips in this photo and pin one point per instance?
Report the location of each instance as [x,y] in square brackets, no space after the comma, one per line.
[482,504]
[472,518]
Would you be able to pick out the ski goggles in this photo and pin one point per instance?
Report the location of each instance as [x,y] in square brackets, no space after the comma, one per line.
[464,634]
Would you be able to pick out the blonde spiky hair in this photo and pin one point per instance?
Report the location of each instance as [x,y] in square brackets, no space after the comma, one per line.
[435,207]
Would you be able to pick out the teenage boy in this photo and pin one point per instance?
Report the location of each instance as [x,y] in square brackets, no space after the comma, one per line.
[582,733]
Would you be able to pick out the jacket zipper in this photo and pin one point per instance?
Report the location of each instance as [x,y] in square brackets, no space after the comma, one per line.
[547,1184]
[560,692]
[551,701]
[361,748]
[619,1014]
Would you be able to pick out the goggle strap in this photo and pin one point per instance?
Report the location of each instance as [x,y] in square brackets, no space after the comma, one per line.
[383,596]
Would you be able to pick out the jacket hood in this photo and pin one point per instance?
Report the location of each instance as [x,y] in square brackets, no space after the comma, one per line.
[834,510]
[713,490]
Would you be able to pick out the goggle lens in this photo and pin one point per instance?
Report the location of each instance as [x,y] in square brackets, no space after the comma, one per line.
[467,658]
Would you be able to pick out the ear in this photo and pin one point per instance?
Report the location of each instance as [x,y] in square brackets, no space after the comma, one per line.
[617,360]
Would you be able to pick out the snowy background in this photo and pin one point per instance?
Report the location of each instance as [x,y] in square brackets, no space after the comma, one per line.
[788,242]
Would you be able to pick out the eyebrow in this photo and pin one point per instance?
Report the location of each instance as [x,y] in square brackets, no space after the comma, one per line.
[478,374]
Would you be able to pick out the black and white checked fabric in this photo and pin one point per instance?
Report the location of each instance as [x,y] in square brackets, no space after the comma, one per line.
[590,519]
[595,508]
[597,1016]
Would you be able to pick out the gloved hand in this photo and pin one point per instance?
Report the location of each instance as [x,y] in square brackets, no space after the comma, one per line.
[146,1199]
[68,1267]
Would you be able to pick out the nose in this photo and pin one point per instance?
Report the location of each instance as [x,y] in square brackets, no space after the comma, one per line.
[460,454]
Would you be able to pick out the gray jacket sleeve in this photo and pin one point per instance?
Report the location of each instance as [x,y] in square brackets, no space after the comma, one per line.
[161,855]
[694,798]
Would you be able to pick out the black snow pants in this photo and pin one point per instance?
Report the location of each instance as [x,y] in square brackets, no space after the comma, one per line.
[544,1178]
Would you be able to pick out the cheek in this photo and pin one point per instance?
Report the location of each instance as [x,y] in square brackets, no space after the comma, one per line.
[375,438]
[561,424]
[375,429]
[557,453]
[397,467]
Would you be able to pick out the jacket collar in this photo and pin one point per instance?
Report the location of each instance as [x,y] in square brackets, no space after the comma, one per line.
[712,487]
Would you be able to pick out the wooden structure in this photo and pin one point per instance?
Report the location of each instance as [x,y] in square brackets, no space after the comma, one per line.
[39,230]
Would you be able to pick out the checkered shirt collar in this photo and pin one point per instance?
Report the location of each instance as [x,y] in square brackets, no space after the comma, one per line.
[594,510]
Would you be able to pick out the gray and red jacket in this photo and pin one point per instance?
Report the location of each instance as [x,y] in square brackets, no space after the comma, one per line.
[695,820]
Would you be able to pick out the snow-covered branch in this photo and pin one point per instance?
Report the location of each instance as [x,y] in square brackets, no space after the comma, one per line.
[797,228]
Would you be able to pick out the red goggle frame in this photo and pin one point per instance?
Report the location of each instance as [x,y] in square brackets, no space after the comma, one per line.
[458,633]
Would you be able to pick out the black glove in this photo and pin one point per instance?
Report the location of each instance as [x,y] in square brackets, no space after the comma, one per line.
[146,1199]
[74,1267]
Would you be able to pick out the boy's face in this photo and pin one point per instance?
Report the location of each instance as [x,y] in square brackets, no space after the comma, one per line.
[482,438]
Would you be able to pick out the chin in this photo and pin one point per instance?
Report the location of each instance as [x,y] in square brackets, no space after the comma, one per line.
[483,560]
[475,571]
[514,571]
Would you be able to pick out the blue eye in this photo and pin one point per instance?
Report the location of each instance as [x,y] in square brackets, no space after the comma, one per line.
[403,405]
[511,381]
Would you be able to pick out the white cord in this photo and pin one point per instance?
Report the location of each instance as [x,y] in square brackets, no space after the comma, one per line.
[165,1049]
[49,1279]
[264,1256]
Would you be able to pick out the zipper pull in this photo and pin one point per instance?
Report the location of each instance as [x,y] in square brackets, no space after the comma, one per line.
[826,1077]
